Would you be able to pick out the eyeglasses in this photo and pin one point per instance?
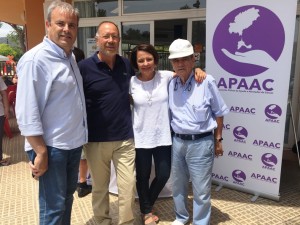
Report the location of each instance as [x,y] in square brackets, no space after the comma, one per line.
[112,36]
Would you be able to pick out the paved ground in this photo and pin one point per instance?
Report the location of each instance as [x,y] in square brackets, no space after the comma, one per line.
[18,197]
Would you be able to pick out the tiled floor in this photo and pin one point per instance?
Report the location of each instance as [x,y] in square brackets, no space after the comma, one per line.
[18,197]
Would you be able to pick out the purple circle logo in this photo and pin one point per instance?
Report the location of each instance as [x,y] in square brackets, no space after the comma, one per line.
[238,176]
[248,41]
[240,132]
[273,111]
[269,159]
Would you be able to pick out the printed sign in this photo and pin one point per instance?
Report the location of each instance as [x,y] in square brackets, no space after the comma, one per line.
[249,53]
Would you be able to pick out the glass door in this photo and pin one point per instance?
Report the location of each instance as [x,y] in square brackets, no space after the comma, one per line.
[135,33]
[197,36]
[165,32]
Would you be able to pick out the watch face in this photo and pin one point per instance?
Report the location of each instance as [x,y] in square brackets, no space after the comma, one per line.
[219,139]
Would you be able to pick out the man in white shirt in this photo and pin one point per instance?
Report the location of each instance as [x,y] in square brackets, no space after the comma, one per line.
[197,111]
[51,113]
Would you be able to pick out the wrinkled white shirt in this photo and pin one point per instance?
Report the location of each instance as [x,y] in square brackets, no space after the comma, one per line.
[151,122]
[195,106]
[50,98]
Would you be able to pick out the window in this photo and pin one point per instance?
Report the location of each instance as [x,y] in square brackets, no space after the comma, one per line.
[134,6]
[96,8]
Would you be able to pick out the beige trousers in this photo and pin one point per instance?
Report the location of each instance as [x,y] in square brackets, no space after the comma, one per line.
[99,156]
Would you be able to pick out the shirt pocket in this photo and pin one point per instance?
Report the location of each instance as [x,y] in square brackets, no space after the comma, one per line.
[199,112]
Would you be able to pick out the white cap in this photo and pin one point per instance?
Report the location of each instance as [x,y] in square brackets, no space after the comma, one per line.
[180,48]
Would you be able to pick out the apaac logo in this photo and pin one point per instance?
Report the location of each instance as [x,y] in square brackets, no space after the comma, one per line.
[269,160]
[266,144]
[242,110]
[240,133]
[219,177]
[242,44]
[273,112]
[226,126]
[239,155]
[264,178]
[239,177]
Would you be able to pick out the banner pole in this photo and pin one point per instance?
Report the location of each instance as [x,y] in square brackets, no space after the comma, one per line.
[295,135]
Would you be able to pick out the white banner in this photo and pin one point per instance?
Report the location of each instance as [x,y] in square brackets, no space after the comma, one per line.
[249,51]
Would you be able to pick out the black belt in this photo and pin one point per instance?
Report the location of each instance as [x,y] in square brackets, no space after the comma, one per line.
[192,137]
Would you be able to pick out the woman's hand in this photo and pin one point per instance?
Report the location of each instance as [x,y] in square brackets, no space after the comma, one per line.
[200,75]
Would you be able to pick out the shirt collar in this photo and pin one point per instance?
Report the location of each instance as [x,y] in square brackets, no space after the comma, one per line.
[189,80]
[57,49]
[97,60]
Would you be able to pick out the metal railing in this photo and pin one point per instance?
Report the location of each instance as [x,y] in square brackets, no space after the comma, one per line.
[7,69]
[163,62]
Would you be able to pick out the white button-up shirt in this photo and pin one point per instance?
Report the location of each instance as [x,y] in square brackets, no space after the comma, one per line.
[50,98]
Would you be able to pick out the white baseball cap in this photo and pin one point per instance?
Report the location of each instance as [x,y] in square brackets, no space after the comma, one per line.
[180,48]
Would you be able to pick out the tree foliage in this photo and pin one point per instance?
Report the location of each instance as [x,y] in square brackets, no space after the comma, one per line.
[136,35]
[17,37]
[6,50]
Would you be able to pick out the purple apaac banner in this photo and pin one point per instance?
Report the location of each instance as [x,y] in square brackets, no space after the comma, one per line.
[249,52]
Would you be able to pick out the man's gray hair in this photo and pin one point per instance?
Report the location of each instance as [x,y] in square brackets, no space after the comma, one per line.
[105,21]
[63,7]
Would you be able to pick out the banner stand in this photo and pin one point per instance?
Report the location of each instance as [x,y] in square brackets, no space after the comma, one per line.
[219,187]
[254,198]
[246,190]
[295,134]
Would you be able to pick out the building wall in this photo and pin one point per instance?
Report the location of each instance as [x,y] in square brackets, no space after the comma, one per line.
[35,25]
[35,20]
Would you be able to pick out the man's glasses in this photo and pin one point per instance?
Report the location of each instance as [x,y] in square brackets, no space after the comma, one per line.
[112,36]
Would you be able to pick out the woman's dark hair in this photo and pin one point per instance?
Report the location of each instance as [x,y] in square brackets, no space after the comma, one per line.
[146,48]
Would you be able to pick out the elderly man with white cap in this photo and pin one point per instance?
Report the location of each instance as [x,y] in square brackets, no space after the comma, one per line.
[197,111]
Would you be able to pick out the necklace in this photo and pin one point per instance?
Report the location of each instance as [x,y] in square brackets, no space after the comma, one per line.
[149,91]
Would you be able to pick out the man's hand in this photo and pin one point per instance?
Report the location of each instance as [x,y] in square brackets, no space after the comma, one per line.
[40,165]
[218,149]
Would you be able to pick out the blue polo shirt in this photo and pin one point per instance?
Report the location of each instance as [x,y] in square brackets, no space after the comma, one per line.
[107,99]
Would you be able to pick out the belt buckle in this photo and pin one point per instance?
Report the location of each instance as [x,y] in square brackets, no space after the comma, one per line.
[193,137]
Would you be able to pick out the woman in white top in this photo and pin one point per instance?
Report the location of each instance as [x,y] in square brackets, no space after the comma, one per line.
[151,126]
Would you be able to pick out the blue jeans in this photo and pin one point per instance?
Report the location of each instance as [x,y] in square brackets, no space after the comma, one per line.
[57,185]
[143,164]
[192,160]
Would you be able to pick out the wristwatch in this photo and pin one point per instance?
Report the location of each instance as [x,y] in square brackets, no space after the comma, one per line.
[219,139]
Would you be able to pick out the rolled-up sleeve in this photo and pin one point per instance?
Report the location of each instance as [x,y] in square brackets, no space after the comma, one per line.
[33,89]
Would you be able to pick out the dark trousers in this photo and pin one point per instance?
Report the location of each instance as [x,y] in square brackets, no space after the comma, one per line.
[162,161]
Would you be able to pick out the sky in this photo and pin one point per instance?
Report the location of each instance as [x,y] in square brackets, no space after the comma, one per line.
[5,29]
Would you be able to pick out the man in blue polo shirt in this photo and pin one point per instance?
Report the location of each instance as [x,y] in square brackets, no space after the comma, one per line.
[106,77]
[197,111]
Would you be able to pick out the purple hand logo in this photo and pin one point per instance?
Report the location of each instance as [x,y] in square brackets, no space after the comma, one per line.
[240,132]
[269,159]
[273,111]
[238,176]
[248,41]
